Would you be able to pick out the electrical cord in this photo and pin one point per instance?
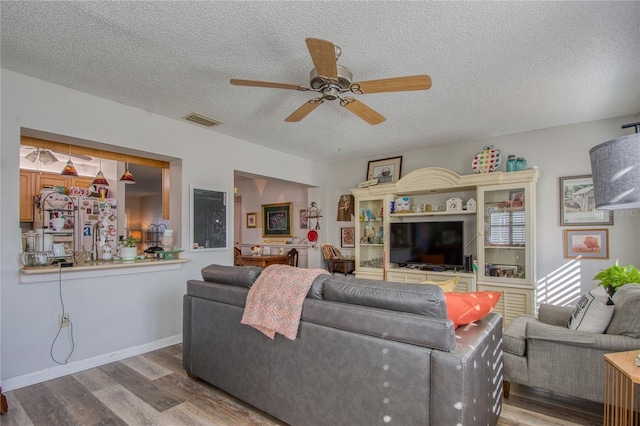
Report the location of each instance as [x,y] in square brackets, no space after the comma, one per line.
[64,318]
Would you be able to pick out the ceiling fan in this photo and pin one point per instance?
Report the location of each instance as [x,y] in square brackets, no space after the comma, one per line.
[46,156]
[331,80]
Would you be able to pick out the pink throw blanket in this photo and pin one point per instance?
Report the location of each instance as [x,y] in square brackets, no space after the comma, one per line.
[274,302]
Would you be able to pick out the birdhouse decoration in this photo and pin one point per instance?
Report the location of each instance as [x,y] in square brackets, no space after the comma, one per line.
[454,205]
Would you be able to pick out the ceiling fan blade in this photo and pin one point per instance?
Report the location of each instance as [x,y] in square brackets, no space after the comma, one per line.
[323,55]
[397,84]
[361,110]
[304,110]
[253,83]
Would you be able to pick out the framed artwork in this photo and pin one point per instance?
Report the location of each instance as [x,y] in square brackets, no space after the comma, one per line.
[517,198]
[586,243]
[208,219]
[304,219]
[252,220]
[578,205]
[386,170]
[277,220]
[348,237]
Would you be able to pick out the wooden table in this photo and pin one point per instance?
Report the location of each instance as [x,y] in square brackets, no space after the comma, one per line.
[341,265]
[621,380]
[263,260]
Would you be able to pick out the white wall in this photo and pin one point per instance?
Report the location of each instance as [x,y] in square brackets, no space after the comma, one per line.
[560,151]
[115,315]
[111,315]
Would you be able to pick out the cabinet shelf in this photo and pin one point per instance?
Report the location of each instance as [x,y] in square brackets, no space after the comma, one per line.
[371,245]
[443,213]
[489,246]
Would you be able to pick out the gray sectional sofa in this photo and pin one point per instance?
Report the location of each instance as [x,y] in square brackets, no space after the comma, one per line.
[367,352]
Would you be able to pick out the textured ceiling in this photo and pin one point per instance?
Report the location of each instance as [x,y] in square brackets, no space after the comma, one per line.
[497,67]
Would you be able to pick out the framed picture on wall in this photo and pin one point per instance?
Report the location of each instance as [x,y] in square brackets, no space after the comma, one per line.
[578,204]
[252,220]
[208,218]
[386,170]
[277,220]
[586,243]
[348,237]
[304,219]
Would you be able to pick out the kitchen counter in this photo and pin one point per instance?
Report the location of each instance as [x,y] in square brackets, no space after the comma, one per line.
[97,269]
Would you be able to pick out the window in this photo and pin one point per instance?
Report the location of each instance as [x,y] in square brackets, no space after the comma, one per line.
[507,228]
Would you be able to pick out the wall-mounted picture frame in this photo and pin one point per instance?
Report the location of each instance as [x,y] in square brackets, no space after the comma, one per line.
[252,220]
[577,203]
[277,220]
[586,243]
[348,237]
[304,219]
[208,208]
[386,170]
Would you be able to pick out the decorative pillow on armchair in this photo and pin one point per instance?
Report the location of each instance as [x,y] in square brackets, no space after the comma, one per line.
[446,285]
[593,312]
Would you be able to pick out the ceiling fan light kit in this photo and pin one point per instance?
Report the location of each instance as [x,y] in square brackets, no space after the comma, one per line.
[331,80]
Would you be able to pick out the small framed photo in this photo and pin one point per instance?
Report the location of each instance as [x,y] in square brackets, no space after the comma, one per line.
[586,244]
[348,237]
[578,205]
[517,198]
[252,220]
[386,170]
[304,219]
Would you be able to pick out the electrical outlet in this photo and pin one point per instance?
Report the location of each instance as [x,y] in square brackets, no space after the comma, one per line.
[63,320]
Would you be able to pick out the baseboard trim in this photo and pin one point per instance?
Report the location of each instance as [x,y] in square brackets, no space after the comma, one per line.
[85,364]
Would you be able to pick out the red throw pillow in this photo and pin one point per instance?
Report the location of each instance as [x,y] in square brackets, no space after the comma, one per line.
[464,308]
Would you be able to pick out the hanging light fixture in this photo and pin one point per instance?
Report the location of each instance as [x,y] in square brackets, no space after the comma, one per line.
[100,179]
[127,177]
[615,166]
[44,156]
[69,169]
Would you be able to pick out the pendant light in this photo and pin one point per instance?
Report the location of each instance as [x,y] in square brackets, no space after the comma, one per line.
[69,169]
[100,179]
[127,177]
[614,165]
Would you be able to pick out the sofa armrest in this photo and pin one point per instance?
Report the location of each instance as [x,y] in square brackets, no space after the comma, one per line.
[554,314]
[562,335]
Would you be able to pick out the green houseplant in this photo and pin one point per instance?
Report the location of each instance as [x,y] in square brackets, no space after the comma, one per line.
[131,242]
[615,276]
[129,249]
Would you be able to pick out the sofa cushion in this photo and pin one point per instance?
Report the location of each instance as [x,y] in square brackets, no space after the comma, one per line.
[593,312]
[315,292]
[423,299]
[241,276]
[445,285]
[626,321]
[465,308]
[514,339]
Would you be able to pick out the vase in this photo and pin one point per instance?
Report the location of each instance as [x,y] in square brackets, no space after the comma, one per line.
[128,253]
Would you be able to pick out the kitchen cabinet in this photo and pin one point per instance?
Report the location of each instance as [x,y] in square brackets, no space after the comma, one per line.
[498,230]
[26,196]
[31,182]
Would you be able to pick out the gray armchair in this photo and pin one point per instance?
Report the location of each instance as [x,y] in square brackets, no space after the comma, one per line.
[545,354]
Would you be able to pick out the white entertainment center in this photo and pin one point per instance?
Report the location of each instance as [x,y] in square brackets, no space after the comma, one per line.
[497,211]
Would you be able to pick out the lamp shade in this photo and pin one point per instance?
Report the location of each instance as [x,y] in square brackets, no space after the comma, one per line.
[127,177]
[615,167]
[69,170]
[100,179]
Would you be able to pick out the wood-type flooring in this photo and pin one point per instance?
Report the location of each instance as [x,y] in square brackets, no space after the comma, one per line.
[153,389]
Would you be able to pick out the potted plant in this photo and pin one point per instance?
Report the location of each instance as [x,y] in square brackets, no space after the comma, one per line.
[129,250]
[615,276]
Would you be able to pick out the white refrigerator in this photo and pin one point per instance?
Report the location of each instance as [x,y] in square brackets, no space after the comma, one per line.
[96,227]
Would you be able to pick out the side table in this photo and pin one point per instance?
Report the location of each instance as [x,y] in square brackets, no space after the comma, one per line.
[342,265]
[621,380]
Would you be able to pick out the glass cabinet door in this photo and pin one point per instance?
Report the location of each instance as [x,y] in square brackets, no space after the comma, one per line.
[370,232]
[506,235]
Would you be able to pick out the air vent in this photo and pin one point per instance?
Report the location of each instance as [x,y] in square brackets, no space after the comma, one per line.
[201,119]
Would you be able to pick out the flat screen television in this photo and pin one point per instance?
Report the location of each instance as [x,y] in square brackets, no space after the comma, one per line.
[431,243]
